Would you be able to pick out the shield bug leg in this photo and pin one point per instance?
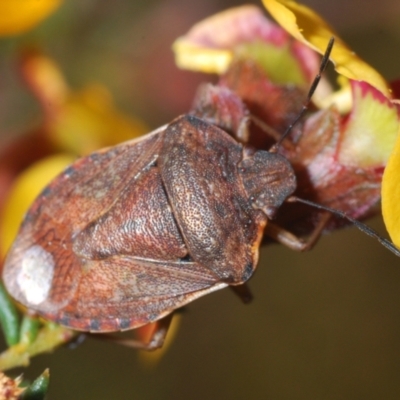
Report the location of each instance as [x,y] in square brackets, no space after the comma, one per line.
[267,129]
[155,342]
[244,292]
[243,130]
[222,107]
[294,242]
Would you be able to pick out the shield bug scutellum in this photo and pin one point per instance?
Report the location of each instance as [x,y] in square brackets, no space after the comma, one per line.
[129,234]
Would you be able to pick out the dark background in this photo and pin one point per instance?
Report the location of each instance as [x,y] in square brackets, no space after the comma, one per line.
[323,325]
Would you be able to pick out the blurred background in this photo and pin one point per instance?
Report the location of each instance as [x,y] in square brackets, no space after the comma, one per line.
[323,325]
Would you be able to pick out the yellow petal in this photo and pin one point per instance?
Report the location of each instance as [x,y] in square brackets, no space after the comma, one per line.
[44,78]
[18,16]
[371,129]
[209,45]
[308,27]
[196,58]
[391,194]
[88,120]
[25,189]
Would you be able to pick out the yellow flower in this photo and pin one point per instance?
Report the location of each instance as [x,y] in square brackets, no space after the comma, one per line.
[18,16]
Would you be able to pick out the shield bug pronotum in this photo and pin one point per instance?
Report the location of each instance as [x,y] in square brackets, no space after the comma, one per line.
[129,234]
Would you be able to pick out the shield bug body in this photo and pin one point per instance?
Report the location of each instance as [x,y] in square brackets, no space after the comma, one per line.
[127,235]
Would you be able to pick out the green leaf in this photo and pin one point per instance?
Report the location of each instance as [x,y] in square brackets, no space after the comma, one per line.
[38,389]
[9,318]
[48,338]
[29,329]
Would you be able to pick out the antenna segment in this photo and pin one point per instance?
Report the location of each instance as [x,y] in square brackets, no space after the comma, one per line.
[322,67]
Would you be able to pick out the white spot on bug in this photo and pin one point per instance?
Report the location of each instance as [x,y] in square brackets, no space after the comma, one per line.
[36,274]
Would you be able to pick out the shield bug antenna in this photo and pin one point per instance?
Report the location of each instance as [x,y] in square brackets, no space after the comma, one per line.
[314,85]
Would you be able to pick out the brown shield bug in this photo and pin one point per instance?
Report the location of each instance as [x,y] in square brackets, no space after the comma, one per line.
[129,234]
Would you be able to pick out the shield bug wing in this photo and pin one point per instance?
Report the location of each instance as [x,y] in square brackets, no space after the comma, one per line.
[134,292]
[73,261]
